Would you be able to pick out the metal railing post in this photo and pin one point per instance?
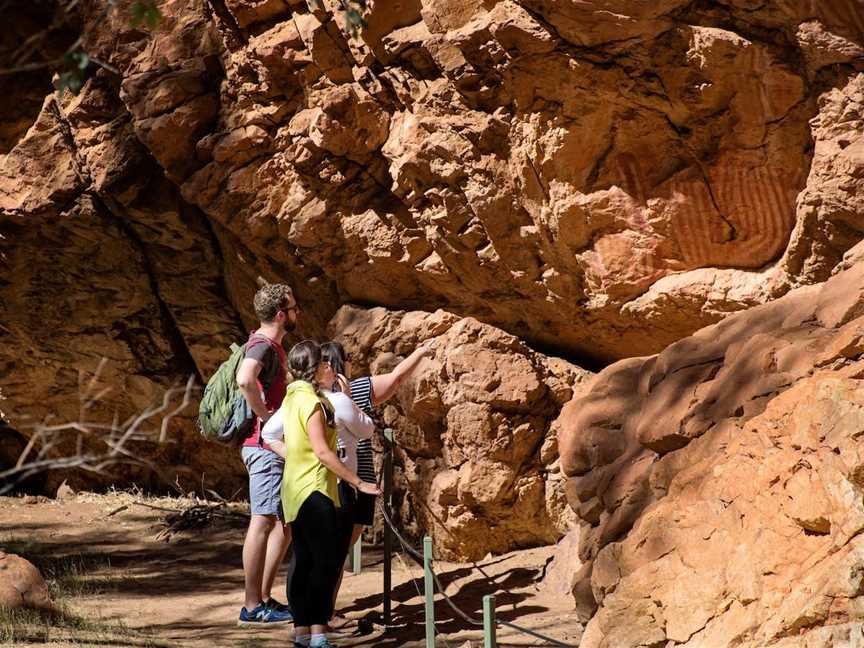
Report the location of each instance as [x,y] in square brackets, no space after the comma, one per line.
[357,556]
[430,592]
[388,534]
[489,640]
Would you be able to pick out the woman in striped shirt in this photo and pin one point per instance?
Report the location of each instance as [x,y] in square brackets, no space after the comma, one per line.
[367,392]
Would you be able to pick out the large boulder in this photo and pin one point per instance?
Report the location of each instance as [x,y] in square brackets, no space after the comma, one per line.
[478,465]
[718,483]
[21,584]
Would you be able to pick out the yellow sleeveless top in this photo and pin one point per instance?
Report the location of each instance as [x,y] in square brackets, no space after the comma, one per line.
[304,473]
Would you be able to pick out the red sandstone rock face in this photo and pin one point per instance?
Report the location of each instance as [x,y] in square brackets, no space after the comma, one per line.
[540,166]
[602,178]
[104,265]
[21,584]
[475,451]
[717,482]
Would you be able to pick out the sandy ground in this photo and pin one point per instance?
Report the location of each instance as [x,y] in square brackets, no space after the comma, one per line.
[187,590]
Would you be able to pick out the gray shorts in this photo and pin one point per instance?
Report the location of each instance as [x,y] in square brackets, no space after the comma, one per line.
[265,480]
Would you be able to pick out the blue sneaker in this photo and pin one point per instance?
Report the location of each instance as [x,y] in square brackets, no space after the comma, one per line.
[261,615]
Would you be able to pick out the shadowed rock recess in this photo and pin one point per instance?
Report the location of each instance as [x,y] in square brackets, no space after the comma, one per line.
[596,180]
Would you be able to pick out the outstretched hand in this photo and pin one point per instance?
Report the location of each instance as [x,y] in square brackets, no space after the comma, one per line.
[384,386]
[369,488]
[426,348]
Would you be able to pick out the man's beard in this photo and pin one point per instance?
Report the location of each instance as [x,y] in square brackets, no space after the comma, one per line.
[288,325]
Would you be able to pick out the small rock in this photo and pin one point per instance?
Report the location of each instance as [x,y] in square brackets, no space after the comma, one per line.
[64,492]
[21,584]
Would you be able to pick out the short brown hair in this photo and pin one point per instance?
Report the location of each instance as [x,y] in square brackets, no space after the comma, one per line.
[270,299]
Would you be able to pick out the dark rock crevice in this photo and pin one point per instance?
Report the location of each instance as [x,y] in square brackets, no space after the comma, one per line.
[183,361]
[219,10]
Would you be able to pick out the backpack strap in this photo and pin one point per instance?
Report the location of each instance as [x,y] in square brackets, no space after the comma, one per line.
[268,373]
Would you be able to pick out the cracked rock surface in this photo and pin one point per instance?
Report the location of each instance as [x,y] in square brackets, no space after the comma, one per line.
[599,179]
[476,458]
[111,285]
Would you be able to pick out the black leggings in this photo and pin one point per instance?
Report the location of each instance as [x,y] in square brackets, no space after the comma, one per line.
[319,549]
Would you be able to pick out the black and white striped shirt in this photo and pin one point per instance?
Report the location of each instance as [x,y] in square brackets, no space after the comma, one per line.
[361,394]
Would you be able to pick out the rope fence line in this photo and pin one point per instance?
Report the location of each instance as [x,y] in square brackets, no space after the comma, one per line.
[424,559]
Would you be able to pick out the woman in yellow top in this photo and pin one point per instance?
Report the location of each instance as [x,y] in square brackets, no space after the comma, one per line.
[310,495]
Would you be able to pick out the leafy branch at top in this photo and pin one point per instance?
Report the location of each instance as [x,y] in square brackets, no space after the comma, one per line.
[146,12]
[353,10]
[72,66]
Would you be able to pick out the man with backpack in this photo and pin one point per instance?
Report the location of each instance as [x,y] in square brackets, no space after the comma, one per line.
[262,379]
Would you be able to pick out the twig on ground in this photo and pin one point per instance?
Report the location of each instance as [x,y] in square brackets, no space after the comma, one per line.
[158,508]
[196,516]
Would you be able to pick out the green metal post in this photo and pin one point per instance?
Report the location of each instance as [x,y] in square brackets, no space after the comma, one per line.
[356,556]
[430,592]
[489,621]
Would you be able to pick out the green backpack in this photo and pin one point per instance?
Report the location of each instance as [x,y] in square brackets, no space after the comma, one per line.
[224,415]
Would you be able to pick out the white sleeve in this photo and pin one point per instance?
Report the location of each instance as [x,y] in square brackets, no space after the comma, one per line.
[272,430]
[351,417]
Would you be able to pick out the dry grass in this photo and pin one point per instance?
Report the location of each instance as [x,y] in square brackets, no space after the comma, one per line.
[60,627]
[68,575]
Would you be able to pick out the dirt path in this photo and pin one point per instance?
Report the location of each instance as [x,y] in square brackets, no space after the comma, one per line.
[120,586]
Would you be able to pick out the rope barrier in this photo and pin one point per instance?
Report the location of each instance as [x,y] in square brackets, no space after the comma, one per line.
[419,558]
[419,593]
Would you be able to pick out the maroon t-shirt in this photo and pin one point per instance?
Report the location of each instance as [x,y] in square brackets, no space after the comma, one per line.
[271,355]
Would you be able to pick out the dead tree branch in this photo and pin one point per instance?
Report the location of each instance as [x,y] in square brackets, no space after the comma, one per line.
[96,446]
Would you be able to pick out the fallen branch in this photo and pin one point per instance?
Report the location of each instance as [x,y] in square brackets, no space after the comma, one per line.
[158,508]
[196,516]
